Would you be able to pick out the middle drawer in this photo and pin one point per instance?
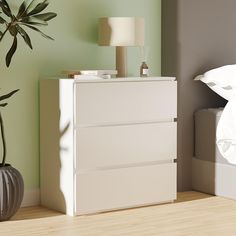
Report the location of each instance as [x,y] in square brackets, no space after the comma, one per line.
[120,146]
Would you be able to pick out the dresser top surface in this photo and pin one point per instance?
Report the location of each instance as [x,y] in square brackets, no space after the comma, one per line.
[127,79]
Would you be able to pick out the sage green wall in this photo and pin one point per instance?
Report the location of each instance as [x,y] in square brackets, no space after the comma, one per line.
[75,31]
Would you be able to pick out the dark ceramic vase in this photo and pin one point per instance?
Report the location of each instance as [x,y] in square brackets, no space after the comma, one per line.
[11,191]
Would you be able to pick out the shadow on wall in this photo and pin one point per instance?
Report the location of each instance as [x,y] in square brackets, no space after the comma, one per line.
[203,169]
[51,149]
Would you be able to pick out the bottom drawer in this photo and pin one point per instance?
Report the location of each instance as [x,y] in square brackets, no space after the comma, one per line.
[106,190]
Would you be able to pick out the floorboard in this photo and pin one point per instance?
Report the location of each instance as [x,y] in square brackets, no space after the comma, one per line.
[192,214]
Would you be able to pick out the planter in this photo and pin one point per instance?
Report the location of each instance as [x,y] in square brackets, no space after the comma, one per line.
[11,191]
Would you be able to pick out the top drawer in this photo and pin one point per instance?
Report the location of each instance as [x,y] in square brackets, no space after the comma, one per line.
[121,102]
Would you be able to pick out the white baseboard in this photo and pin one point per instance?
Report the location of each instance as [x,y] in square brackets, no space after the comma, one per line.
[31,198]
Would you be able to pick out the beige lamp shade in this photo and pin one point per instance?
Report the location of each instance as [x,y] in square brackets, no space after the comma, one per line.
[121,31]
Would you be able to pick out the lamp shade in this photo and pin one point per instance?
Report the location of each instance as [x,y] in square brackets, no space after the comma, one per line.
[121,31]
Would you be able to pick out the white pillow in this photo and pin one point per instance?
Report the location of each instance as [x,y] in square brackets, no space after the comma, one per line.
[226,132]
[221,80]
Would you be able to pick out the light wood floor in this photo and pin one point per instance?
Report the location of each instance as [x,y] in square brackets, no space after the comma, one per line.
[192,214]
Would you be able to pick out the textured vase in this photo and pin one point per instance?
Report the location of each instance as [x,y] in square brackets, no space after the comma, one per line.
[11,191]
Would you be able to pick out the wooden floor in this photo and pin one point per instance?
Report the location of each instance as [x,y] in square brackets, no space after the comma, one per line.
[192,214]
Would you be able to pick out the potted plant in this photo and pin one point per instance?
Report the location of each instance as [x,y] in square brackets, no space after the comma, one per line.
[11,181]
[28,16]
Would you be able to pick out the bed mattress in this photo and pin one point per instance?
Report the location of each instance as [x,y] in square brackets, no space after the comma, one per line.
[206,121]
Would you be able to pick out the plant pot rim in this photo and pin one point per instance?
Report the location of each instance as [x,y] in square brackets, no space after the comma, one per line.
[6,165]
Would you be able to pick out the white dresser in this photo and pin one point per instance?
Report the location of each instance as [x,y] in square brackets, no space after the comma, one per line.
[107,144]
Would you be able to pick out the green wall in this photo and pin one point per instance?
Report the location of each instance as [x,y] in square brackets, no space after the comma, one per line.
[75,47]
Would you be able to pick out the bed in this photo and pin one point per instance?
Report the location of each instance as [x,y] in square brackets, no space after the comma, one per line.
[211,173]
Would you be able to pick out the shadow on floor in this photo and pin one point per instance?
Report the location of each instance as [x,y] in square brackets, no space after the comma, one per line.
[30,213]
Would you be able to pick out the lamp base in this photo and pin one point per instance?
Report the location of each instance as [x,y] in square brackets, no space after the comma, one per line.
[121,61]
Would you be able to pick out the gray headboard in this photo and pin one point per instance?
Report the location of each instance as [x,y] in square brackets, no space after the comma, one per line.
[197,35]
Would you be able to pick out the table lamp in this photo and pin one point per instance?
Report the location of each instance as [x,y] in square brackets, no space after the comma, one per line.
[121,32]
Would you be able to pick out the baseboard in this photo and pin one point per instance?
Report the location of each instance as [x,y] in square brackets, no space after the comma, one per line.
[31,198]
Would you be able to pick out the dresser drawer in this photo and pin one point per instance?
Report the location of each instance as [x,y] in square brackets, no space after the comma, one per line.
[98,147]
[98,103]
[129,187]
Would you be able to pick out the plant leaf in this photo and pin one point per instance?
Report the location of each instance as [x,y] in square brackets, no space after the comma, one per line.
[5,8]
[31,6]
[46,16]
[24,35]
[35,29]
[27,8]
[13,30]
[3,104]
[22,9]
[40,7]
[34,21]
[2,21]
[8,95]
[11,52]
[4,2]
